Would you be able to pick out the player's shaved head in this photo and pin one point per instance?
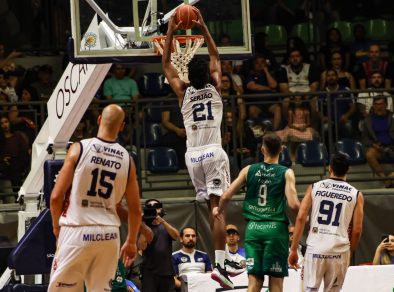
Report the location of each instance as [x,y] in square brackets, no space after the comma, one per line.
[112,117]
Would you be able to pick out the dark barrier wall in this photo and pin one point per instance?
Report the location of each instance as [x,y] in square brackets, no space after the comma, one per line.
[378,220]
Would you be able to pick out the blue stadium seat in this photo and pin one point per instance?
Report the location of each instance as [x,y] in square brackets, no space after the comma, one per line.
[151,134]
[352,148]
[312,153]
[152,84]
[162,159]
[284,157]
[153,114]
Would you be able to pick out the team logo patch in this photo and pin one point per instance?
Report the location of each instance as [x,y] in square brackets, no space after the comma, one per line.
[90,40]
[315,229]
[183,259]
[250,262]
[194,127]
[217,182]
[85,203]
[98,148]
[326,185]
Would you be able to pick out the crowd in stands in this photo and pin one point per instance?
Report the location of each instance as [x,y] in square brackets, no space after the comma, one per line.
[303,97]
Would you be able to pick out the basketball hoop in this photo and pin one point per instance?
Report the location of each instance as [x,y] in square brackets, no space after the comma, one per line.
[183,49]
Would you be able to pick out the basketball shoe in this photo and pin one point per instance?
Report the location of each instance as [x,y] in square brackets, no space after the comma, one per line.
[221,276]
[233,268]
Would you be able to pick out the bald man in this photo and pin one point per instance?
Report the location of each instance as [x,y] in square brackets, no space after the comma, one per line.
[96,174]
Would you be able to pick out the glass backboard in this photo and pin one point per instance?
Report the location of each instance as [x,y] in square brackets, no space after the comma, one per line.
[122,30]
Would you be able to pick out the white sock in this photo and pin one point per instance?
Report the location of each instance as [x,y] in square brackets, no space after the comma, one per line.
[219,257]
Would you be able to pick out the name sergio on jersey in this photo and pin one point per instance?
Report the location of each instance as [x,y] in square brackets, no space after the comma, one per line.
[201,96]
[333,195]
[106,162]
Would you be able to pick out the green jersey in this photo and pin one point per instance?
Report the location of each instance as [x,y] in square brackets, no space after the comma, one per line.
[265,198]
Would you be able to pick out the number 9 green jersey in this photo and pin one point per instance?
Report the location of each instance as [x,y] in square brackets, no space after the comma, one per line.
[265,198]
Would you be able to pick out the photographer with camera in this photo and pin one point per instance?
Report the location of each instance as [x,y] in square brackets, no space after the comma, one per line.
[378,137]
[384,254]
[157,270]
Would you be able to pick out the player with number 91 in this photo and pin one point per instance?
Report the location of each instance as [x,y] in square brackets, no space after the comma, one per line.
[337,210]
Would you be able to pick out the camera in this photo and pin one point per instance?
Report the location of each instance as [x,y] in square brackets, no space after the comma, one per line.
[385,237]
[149,215]
[150,211]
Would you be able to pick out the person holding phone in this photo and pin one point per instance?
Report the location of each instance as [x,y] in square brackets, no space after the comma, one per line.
[384,254]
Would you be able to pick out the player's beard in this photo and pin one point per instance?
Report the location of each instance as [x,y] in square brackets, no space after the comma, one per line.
[189,244]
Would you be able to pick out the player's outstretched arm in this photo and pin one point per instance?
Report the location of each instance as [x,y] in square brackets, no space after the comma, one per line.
[129,248]
[290,191]
[302,216]
[215,68]
[62,185]
[229,193]
[358,216]
[169,70]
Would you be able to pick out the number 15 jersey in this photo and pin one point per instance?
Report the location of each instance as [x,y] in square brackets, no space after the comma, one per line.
[333,203]
[99,183]
[202,111]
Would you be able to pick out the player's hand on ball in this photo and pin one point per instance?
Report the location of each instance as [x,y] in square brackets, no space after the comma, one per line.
[128,253]
[293,260]
[172,25]
[200,20]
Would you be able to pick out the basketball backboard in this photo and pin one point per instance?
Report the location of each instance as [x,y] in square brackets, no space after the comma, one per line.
[107,31]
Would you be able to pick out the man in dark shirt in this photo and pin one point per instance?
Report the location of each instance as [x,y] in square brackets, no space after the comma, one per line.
[157,269]
[378,137]
[175,138]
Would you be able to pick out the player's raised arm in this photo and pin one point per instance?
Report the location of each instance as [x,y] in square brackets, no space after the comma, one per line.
[290,191]
[302,216]
[214,58]
[357,222]
[169,70]
[62,185]
[231,191]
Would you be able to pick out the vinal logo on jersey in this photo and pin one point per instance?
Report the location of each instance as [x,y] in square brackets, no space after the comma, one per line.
[100,149]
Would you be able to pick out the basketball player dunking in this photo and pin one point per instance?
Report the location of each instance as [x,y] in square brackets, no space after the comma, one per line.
[335,205]
[202,109]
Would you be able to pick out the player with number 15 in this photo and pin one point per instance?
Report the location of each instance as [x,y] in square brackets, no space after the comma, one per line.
[85,222]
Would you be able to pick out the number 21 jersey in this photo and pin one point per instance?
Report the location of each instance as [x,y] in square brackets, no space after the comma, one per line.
[99,183]
[333,203]
[202,111]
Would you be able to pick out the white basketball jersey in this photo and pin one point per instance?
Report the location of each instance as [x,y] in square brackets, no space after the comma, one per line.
[333,203]
[298,82]
[202,111]
[99,183]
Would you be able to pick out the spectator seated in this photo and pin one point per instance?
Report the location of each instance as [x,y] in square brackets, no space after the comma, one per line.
[312,153]
[353,148]
[162,159]
[152,84]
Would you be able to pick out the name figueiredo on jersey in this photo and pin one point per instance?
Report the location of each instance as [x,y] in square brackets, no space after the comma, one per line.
[335,195]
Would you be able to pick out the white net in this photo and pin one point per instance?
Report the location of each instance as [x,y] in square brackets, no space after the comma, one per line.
[181,55]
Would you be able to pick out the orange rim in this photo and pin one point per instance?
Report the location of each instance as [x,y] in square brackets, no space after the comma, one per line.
[180,38]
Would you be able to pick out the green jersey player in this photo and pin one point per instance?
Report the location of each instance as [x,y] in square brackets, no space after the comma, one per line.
[269,185]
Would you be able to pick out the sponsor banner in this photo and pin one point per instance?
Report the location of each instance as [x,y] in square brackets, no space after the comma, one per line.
[358,278]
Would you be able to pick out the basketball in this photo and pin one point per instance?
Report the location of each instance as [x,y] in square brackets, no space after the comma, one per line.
[186,14]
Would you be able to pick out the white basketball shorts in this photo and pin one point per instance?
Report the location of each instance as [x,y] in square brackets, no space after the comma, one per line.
[331,268]
[209,170]
[85,255]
